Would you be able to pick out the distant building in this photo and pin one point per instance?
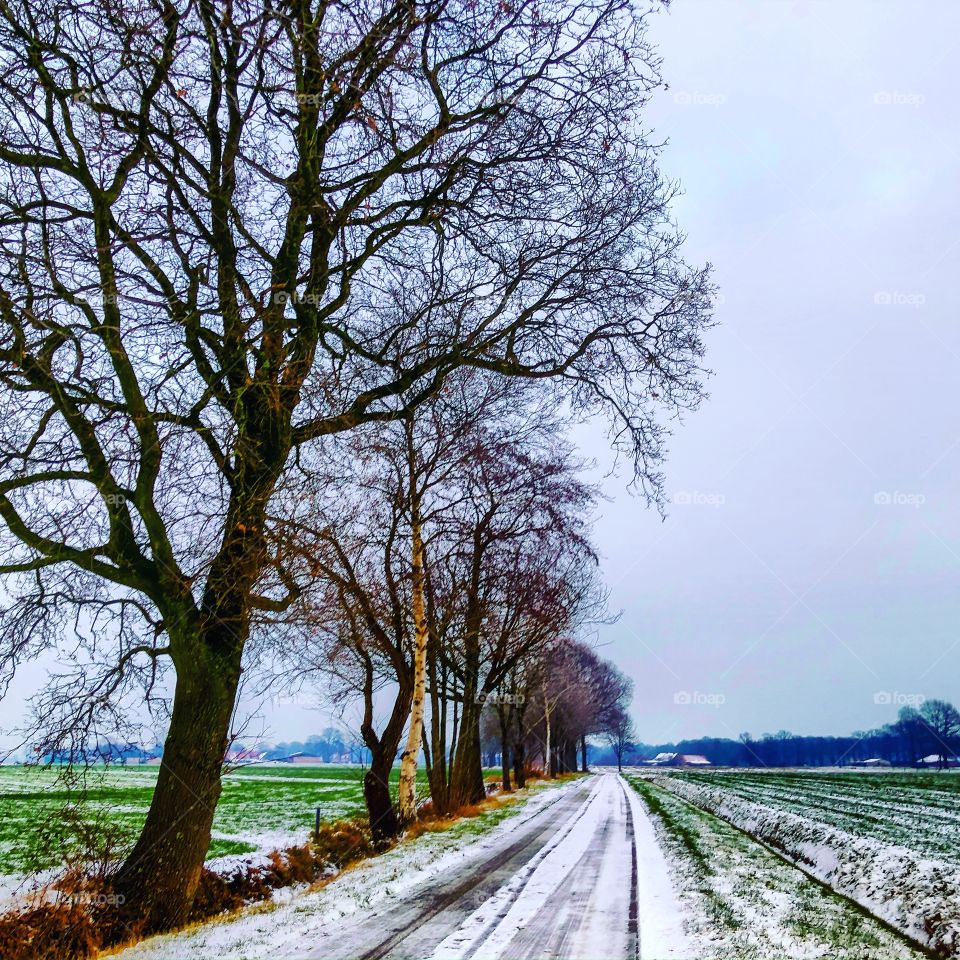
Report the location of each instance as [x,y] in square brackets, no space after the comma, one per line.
[678,760]
[303,758]
[933,760]
[872,762]
[244,756]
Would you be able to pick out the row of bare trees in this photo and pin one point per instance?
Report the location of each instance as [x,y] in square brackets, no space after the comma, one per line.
[566,694]
[238,239]
[449,565]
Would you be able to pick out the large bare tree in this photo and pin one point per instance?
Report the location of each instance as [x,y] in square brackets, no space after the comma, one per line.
[230,229]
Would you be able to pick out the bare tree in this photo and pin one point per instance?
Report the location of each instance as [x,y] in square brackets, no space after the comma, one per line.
[942,720]
[228,231]
[909,729]
[619,732]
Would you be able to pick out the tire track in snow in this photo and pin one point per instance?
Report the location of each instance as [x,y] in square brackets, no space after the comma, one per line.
[412,926]
[582,890]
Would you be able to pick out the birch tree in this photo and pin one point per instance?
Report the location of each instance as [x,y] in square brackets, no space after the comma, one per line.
[407,791]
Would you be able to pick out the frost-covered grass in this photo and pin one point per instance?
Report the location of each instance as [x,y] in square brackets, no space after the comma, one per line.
[743,901]
[915,809]
[261,808]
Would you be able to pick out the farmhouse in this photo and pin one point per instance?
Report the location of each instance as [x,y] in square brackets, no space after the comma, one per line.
[933,760]
[303,758]
[678,760]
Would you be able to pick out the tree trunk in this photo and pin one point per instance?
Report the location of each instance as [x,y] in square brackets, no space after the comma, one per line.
[466,770]
[519,765]
[519,751]
[437,675]
[466,776]
[547,754]
[583,753]
[407,794]
[438,770]
[504,715]
[159,878]
[384,824]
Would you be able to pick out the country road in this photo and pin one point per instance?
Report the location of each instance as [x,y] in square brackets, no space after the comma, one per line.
[563,884]
[574,872]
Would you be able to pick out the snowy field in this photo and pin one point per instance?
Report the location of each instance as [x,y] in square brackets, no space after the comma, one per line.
[916,809]
[788,863]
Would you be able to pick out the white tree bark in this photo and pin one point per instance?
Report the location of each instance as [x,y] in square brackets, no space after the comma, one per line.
[547,761]
[407,793]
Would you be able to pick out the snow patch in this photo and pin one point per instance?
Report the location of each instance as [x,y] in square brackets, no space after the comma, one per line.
[659,913]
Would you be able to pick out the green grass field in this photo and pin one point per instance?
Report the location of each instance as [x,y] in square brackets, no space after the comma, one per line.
[261,808]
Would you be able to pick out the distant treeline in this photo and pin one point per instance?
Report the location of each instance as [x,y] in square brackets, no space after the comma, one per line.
[933,730]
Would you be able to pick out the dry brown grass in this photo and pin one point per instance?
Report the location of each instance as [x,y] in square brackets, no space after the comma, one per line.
[85,919]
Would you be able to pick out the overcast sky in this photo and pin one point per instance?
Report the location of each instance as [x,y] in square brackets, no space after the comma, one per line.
[808,569]
[806,577]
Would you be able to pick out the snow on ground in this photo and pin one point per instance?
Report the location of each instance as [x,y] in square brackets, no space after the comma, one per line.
[659,911]
[742,901]
[272,930]
[909,808]
[17,890]
[265,841]
[917,896]
[496,922]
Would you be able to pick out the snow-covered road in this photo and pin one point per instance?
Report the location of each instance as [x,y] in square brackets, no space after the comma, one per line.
[564,884]
[578,874]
